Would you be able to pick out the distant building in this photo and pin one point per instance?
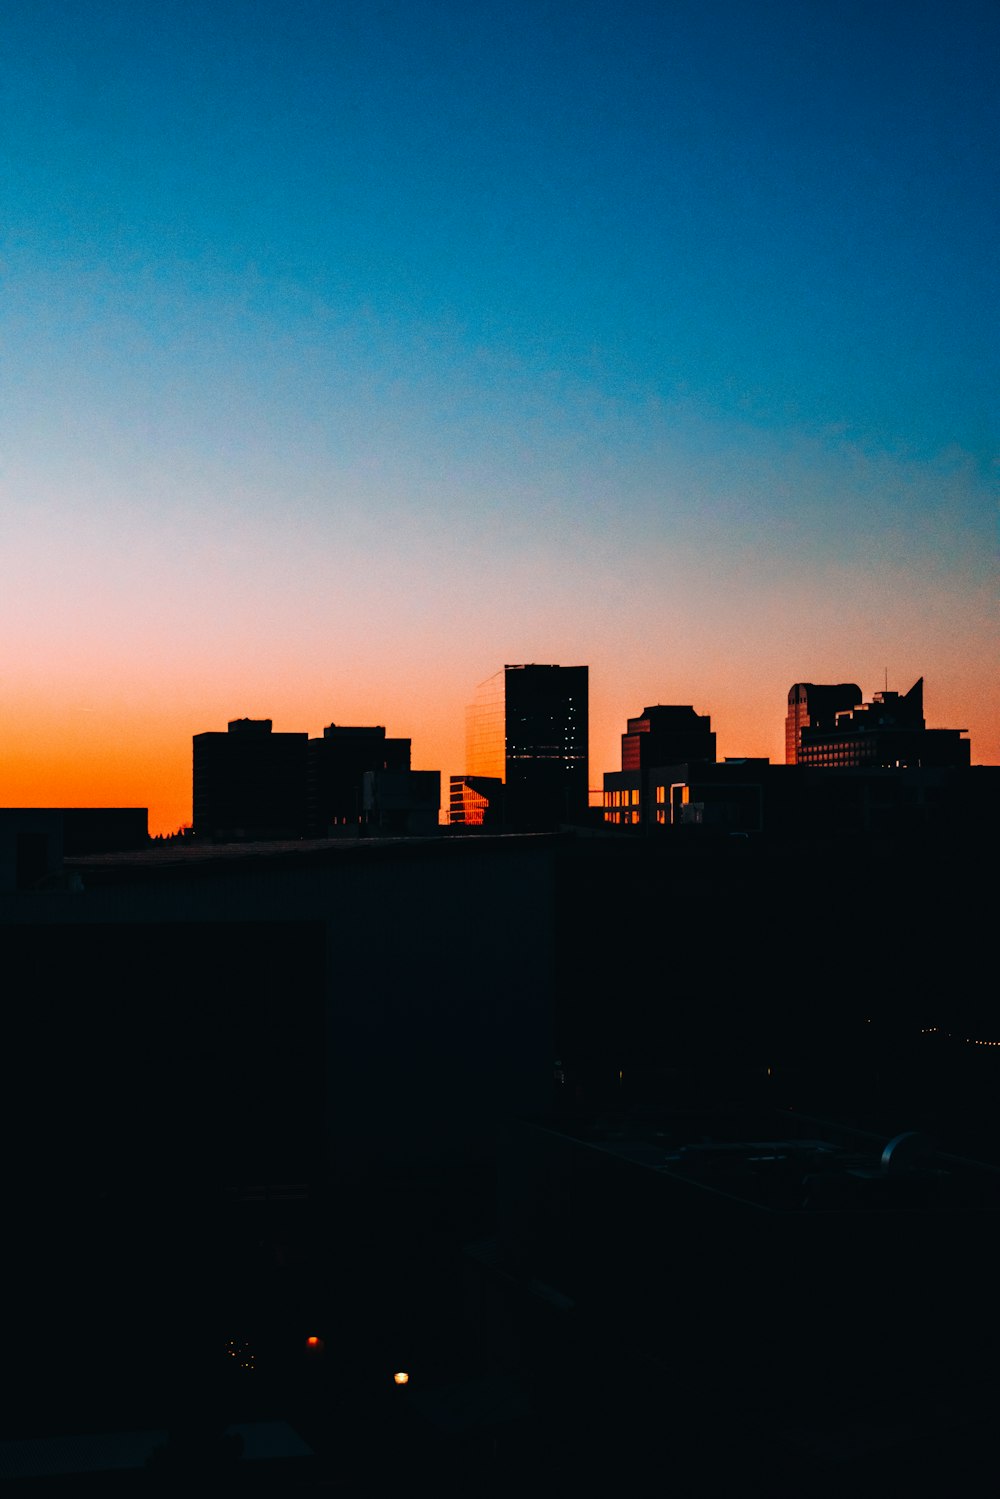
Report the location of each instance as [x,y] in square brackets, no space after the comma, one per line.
[887,733]
[475,801]
[250,783]
[815,707]
[664,735]
[661,735]
[337,766]
[530,725]
[405,803]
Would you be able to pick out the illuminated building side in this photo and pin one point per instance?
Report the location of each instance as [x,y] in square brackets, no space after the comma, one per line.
[815,706]
[485,735]
[661,735]
[888,733]
[475,801]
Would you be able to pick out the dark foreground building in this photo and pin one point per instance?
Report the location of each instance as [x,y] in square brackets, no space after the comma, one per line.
[744,1300]
[253,1086]
[261,1098]
[35,841]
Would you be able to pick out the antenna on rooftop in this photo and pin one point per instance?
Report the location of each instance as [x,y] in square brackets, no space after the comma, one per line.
[887,679]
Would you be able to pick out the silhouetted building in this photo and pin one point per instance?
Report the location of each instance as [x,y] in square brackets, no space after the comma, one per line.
[337,766]
[202,1041]
[729,797]
[475,801]
[229,1055]
[662,735]
[531,724]
[35,840]
[889,732]
[754,796]
[816,707]
[640,1252]
[250,783]
[405,803]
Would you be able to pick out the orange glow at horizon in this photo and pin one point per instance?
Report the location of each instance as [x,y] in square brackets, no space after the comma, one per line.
[101,753]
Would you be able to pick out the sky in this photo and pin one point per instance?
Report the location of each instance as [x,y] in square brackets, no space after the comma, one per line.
[350,352]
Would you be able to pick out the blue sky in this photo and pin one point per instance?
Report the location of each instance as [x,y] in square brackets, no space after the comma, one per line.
[662,336]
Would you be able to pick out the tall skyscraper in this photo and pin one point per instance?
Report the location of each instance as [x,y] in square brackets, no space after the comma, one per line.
[530,725]
[812,706]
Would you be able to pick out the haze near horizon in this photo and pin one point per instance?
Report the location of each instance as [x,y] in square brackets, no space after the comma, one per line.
[351,353]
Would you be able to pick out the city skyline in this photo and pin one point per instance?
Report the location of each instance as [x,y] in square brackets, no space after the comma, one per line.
[598,776]
[349,356]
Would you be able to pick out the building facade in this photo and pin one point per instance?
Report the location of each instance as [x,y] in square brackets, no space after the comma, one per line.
[812,706]
[250,783]
[530,725]
[338,764]
[475,801]
[660,736]
[889,733]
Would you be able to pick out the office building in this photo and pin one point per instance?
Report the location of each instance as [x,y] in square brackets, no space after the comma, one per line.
[729,797]
[816,707]
[402,803]
[887,733]
[250,783]
[530,725]
[338,764]
[660,736]
[475,801]
[664,735]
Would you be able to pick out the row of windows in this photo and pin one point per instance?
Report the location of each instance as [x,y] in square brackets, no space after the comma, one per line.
[622,798]
[630,798]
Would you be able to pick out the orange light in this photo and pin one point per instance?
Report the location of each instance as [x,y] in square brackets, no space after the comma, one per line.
[401,1378]
[313,1341]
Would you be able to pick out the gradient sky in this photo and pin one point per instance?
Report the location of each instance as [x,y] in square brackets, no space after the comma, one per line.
[352,351]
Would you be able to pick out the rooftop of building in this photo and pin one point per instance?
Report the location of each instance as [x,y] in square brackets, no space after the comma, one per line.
[786,1162]
[189,856]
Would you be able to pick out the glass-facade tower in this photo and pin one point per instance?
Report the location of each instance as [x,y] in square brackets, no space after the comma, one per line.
[530,724]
